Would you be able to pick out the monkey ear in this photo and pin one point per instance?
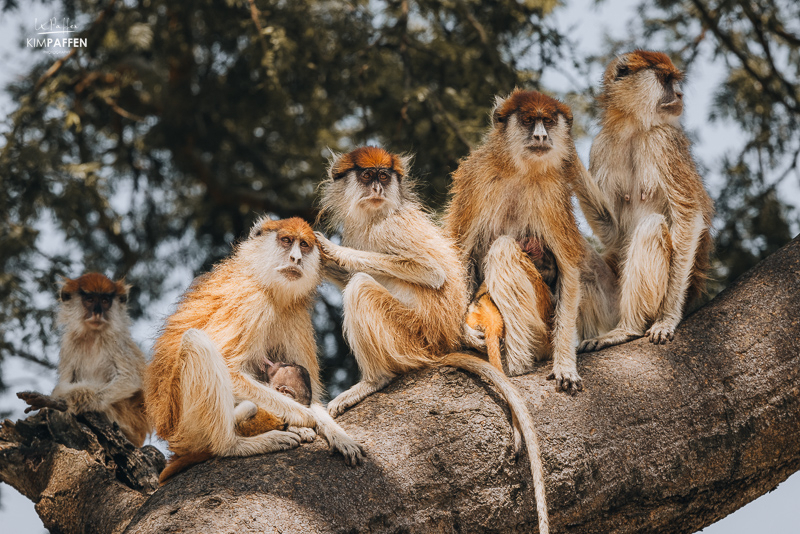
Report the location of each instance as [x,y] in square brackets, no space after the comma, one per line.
[497,118]
[123,290]
[405,164]
[333,163]
[258,228]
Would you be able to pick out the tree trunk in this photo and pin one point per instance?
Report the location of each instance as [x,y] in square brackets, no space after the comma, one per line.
[662,439]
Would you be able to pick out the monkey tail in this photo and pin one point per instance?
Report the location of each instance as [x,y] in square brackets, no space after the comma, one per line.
[523,418]
[180,463]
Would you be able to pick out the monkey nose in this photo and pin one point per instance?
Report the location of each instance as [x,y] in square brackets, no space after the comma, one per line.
[679,94]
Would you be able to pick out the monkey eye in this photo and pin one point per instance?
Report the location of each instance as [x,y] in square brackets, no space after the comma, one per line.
[368,175]
[384,176]
[303,244]
[622,71]
[106,300]
[548,121]
[527,120]
[287,240]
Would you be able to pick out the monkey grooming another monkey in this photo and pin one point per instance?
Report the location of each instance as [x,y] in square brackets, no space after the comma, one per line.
[405,290]
[289,379]
[645,200]
[512,197]
[255,303]
[100,367]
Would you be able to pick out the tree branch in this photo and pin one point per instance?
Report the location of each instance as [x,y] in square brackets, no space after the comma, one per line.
[664,439]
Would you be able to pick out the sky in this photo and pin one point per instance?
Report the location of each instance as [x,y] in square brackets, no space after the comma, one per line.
[776,511]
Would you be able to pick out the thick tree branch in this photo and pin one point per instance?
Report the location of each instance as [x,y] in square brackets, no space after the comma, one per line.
[664,439]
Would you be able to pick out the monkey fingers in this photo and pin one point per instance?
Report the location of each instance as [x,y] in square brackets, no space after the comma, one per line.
[37,401]
[307,435]
[475,338]
[568,381]
[615,337]
[661,332]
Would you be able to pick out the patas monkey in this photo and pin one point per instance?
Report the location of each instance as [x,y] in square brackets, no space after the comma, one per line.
[515,187]
[289,379]
[100,367]
[405,295]
[645,200]
[255,303]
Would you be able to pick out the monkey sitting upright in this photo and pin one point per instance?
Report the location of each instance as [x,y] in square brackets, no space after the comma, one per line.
[405,292]
[516,186]
[290,379]
[100,367]
[645,200]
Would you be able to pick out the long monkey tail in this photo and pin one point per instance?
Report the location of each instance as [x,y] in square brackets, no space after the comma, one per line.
[521,414]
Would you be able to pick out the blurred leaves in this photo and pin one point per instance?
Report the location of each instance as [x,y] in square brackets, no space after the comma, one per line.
[152,149]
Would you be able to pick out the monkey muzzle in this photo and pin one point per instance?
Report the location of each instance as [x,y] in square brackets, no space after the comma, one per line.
[673,107]
[292,272]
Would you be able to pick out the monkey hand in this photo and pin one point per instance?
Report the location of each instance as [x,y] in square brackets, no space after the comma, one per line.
[567,379]
[306,434]
[615,337]
[37,401]
[327,247]
[661,332]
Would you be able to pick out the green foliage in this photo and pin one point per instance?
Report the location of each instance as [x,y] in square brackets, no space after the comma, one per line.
[154,148]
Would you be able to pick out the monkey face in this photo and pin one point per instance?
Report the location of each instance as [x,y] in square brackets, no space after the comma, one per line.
[536,127]
[643,84]
[95,308]
[368,181]
[285,250]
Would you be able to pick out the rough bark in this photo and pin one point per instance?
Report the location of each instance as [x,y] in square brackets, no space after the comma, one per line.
[663,439]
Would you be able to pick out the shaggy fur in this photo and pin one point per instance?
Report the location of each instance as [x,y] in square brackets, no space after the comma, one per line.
[255,303]
[100,367]
[405,291]
[645,200]
[516,186]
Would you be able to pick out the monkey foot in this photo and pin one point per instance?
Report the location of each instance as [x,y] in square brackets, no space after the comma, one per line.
[306,434]
[615,337]
[661,332]
[474,338]
[567,380]
[352,452]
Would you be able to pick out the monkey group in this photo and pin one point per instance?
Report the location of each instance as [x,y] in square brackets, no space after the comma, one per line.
[506,274]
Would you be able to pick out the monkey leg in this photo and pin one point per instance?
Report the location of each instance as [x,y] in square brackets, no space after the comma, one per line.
[380,331]
[643,282]
[130,415]
[518,291]
[207,414]
[598,312]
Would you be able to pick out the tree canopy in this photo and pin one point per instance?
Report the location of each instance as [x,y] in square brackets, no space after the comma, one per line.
[152,149]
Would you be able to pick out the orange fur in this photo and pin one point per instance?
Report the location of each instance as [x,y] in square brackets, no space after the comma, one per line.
[94,283]
[368,157]
[254,304]
[506,189]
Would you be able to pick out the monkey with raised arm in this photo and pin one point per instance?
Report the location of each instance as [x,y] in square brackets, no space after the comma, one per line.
[255,303]
[100,367]
[405,291]
[645,200]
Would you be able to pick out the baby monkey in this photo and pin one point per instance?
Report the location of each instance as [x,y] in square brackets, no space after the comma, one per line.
[288,378]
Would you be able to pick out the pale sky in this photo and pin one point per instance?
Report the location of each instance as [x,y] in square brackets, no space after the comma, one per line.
[776,511]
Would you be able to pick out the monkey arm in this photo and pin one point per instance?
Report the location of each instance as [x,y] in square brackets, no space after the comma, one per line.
[565,369]
[334,272]
[416,270]
[293,413]
[595,205]
[685,234]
